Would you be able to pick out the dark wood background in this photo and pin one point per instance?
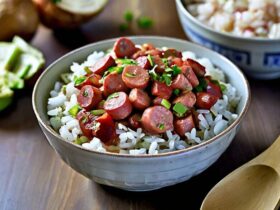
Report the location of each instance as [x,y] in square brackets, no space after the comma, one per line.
[33,177]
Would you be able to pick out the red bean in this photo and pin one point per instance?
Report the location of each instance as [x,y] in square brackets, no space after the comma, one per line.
[118,106]
[124,47]
[205,100]
[102,65]
[89,97]
[135,77]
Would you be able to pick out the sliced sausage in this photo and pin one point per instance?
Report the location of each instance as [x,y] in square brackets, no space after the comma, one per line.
[187,98]
[92,79]
[143,62]
[118,105]
[148,46]
[113,83]
[139,99]
[135,77]
[181,82]
[102,65]
[175,61]
[138,54]
[157,119]
[86,120]
[105,130]
[184,125]
[157,101]
[154,52]
[205,100]
[134,121]
[124,47]
[214,89]
[160,64]
[89,97]
[161,90]
[190,75]
[172,52]
[198,69]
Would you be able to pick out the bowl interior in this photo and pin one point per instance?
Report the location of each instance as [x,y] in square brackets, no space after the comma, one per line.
[52,74]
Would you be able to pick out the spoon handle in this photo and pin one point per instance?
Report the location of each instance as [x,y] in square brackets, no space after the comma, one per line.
[270,157]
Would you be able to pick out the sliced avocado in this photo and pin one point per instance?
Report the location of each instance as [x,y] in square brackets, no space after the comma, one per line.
[6,97]
[9,53]
[25,47]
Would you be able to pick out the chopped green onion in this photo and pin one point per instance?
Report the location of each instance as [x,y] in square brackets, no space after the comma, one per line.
[153,74]
[65,78]
[125,61]
[145,22]
[167,78]
[165,61]
[165,103]
[128,16]
[131,75]
[117,69]
[150,59]
[180,109]
[223,87]
[201,86]
[113,95]
[176,92]
[176,70]
[79,80]
[85,93]
[81,140]
[168,70]
[98,112]
[74,110]
[87,70]
[161,126]
[123,26]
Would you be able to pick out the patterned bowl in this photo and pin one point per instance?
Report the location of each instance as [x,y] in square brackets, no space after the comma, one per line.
[258,57]
[143,172]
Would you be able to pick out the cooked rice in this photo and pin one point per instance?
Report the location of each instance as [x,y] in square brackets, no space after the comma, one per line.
[248,18]
[64,97]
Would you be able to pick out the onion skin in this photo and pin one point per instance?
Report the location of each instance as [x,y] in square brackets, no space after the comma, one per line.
[56,18]
[17,17]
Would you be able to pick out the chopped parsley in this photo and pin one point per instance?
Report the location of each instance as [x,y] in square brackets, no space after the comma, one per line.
[176,70]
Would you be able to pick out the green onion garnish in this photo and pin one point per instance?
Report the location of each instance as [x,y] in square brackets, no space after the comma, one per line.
[153,74]
[150,59]
[128,16]
[201,86]
[165,103]
[81,140]
[223,87]
[180,109]
[161,126]
[131,75]
[117,69]
[126,61]
[176,92]
[165,61]
[168,70]
[79,80]
[98,112]
[176,70]
[65,78]
[85,93]
[167,78]
[145,22]
[74,110]
[87,70]
[113,95]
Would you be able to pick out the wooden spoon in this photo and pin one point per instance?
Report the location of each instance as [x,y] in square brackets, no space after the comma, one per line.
[253,186]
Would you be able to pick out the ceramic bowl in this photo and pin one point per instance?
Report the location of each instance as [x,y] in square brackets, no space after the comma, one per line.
[143,172]
[258,57]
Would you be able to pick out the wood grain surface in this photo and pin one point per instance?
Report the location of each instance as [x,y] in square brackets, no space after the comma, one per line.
[33,177]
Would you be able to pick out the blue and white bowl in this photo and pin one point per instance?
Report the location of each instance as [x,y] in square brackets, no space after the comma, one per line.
[257,57]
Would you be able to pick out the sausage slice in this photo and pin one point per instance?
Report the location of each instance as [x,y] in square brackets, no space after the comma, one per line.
[118,105]
[161,90]
[187,98]
[183,125]
[139,99]
[135,77]
[157,119]
[89,97]
[181,82]
[190,75]
[113,83]
[124,47]
[102,65]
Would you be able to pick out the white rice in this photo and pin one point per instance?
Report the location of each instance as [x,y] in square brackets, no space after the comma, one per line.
[63,98]
[248,18]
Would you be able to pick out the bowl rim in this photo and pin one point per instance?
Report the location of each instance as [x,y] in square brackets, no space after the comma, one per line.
[220,33]
[166,154]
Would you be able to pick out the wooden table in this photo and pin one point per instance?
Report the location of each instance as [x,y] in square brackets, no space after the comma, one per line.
[33,177]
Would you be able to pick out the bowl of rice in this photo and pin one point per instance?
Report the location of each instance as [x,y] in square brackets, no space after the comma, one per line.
[245,31]
[144,157]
